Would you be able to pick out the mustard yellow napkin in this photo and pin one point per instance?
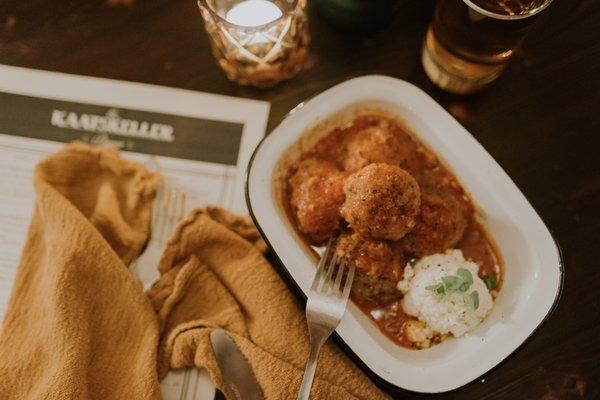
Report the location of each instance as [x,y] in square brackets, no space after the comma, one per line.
[79,326]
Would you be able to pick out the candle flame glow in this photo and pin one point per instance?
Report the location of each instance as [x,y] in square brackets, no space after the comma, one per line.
[252,13]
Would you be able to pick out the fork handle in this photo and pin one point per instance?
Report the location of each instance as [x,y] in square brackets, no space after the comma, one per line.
[311,366]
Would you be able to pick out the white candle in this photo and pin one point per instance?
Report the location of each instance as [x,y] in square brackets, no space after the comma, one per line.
[253,13]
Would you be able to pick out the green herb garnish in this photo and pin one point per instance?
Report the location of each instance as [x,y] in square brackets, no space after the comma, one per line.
[451,282]
[467,279]
[461,282]
[490,281]
[474,299]
[439,288]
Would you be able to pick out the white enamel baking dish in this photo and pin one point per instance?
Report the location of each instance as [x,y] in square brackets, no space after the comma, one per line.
[533,274]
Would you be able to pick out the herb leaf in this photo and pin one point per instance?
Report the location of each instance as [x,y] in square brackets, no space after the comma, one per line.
[464,287]
[490,281]
[451,282]
[439,288]
[474,299]
[465,274]
[461,282]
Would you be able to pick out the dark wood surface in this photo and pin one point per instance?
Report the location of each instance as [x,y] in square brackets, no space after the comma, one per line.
[540,121]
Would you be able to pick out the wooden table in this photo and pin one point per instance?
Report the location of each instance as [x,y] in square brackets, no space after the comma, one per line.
[540,121]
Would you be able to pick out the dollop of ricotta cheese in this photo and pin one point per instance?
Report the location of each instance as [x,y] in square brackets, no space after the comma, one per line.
[453,311]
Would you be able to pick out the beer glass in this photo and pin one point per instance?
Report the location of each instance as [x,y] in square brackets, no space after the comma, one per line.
[469,42]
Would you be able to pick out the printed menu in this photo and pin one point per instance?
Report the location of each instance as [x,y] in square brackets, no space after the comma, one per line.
[199,142]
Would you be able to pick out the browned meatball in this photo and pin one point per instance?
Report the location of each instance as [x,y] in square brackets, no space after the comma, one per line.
[316,197]
[329,146]
[378,267]
[440,225]
[382,201]
[312,167]
[372,144]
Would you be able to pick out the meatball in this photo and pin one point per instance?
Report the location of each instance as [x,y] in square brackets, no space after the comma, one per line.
[378,267]
[316,197]
[329,147]
[440,224]
[382,201]
[312,167]
[380,142]
[372,144]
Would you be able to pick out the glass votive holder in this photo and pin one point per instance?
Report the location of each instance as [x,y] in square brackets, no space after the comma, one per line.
[257,42]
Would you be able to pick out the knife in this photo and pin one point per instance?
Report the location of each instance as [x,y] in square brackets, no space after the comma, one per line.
[237,373]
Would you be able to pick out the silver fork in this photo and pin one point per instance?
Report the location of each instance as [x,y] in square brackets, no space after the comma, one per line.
[168,210]
[325,308]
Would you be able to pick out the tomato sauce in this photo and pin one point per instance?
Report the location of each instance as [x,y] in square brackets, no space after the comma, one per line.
[476,244]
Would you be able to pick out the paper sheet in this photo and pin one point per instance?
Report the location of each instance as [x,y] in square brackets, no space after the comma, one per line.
[201,143]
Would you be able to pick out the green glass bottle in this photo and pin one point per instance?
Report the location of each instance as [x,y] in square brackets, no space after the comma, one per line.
[357,15]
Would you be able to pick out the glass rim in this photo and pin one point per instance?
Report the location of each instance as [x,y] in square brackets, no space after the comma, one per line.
[528,14]
[214,13]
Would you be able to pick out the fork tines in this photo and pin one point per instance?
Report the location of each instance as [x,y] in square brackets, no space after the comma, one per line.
[333,265]
[169,208]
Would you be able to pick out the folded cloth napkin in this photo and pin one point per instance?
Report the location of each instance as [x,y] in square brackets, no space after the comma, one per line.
[79,326]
